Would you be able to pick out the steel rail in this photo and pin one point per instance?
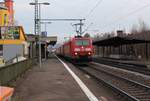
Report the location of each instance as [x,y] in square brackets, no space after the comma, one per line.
[114,87]
[131,67]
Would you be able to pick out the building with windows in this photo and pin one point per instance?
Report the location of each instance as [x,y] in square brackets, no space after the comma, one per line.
[6,13]
[3,16]
[13,42]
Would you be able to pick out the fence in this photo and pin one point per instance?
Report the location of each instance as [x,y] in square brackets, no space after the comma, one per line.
[11,72]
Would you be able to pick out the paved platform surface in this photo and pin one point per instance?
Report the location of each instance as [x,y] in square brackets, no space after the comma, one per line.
[52,82]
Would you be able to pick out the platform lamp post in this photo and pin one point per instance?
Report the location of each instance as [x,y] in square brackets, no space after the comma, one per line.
[45,26]
[39,26]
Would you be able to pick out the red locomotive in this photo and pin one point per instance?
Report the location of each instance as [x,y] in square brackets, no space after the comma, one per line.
[77,49]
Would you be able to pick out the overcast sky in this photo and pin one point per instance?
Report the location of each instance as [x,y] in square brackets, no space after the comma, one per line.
[106,15]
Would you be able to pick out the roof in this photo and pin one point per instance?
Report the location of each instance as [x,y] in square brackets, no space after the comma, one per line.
[117,41]
[30,37]
[50,40]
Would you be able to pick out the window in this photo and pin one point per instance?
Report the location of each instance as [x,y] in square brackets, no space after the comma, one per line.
[1,50]
[82,42]
[9,32]
[5,19]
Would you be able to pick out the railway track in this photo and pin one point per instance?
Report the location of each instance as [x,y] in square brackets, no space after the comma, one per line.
[128,89]
[127,66]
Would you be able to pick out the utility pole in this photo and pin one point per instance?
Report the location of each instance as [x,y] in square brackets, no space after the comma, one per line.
[39,31]
[80,24]
[36,17]
[79,31]
[36,26]
[45,25]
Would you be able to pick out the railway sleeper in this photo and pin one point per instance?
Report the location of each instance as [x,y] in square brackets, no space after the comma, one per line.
[143,98]
[141,92]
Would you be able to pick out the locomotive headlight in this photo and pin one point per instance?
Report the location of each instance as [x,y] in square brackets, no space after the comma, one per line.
[76,53]
[88,49]
[89,53]
[77,49]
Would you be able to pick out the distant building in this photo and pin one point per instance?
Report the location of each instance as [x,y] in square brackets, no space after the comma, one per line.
[6,13]
[3,16]
[121,33]
[13,42]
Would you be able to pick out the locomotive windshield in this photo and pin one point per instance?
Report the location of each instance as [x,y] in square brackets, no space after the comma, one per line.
[82,42]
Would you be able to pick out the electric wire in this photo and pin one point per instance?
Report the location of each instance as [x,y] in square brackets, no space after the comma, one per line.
[90,12]
[145,1]
[129,14]
[120,18]
[93,9]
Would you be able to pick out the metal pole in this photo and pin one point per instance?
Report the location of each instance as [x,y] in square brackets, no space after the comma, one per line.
[80,27]
[45,50]
[40,61]
[45,42]
[36,17]
[45,27]
[36,25]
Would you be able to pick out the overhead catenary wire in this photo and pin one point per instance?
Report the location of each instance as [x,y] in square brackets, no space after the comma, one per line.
[120,18]
[127,15]
[88,27]
[145,1]
[93,9]
[90,12]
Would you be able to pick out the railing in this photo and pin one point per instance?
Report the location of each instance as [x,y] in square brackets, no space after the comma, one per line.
[10,61]
[11,72]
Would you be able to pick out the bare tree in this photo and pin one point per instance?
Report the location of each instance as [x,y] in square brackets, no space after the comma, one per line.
[134,29]
[143,27]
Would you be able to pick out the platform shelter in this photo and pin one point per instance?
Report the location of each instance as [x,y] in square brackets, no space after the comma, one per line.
[122,47]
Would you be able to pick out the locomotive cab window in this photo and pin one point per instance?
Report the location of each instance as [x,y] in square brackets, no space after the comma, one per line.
[82,42]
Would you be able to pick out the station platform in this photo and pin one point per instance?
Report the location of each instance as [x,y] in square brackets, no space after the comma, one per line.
[52,82]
